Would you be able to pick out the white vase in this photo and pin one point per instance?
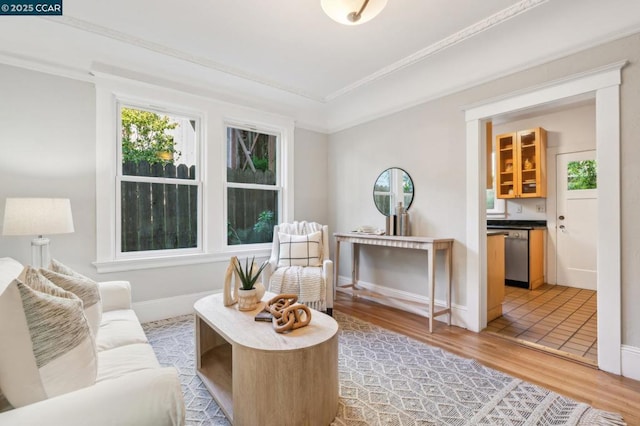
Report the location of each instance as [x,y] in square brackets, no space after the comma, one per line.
[247,300]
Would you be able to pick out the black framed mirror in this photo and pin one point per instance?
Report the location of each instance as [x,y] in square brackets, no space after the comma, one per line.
[392,186]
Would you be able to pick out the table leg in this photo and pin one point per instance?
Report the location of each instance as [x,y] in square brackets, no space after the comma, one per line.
[336,274]
[449,266]
[431,286]
[355,266]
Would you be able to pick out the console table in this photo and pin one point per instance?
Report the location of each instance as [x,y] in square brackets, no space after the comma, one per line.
[430,245]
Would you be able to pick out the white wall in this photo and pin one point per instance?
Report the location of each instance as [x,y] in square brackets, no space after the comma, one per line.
[48,135]
[428,141]
[311,176]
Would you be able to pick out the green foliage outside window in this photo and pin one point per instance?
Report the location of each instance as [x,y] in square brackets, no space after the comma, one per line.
[582,175]
[145,137]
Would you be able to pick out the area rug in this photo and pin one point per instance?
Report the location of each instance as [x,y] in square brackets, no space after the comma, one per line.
[390,379]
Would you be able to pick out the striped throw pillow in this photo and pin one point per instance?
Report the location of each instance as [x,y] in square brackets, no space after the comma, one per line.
[300,250]
[85,288]
[48,346]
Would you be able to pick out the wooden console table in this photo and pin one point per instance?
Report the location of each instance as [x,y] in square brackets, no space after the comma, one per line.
[431,245]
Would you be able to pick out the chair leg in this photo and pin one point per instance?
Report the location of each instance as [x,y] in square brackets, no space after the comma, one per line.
[330,312]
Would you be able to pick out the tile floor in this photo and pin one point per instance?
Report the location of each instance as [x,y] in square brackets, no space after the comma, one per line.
[560,319]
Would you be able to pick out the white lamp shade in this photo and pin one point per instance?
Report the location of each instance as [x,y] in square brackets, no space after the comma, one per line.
[37,216]
[339,10]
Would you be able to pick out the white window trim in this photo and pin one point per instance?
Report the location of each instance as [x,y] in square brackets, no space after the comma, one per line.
[119,254]
[215,114]
[278,187]
[499,210]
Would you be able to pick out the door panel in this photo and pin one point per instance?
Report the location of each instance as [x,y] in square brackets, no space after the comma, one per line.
[577,226]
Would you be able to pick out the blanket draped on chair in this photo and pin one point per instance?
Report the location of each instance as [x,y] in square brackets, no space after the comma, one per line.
[306,281]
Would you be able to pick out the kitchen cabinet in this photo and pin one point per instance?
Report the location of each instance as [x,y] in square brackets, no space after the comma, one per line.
[495,274]
[521,170]
[536,258]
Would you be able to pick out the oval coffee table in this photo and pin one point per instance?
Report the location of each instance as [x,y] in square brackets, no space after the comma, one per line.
[260,377]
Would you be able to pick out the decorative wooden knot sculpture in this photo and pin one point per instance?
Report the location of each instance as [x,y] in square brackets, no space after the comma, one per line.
[287,315]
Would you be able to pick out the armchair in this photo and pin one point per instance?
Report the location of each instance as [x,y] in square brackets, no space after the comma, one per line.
[300,264]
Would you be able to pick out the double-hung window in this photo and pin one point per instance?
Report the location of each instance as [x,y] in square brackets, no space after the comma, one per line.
[253,184]
[159,186]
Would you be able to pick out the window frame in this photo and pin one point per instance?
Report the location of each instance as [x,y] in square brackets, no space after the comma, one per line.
[499,210]
[120,177]
[279,187]
[213,113]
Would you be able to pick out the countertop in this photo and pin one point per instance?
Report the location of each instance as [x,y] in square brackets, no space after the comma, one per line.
[491,233]
[516,224]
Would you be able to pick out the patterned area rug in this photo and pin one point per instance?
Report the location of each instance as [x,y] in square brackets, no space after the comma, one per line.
[390,379]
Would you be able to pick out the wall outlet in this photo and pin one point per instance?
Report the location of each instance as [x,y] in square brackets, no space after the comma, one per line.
[518,208]
[540,208]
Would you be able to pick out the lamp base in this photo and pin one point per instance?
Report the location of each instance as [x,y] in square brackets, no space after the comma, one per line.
[40,252]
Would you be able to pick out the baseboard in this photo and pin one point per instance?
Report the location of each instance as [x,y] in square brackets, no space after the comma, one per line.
[393,295]
[168,307]
[630,357]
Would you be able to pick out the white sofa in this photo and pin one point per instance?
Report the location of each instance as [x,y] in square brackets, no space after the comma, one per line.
[131,388]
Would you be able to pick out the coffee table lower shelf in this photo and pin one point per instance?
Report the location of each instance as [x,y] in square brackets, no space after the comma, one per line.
[215,372]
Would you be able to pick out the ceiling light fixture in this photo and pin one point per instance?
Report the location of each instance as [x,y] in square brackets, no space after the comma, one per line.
[352,12]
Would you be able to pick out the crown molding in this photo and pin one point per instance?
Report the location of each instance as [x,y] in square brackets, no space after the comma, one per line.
[462,35]
[83,25]
[458,37]
[46,67]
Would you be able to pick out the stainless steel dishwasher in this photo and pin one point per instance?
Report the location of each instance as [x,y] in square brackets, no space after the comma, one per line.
[516,258]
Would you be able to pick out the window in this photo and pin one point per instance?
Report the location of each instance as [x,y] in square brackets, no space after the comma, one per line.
[159,186]
[582,175]
[496,207]
[253,185]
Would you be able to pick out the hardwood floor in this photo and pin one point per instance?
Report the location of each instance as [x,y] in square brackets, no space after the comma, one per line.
[578,381]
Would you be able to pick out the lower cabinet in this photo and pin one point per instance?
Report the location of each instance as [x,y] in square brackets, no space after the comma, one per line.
[536,258]
[495,275]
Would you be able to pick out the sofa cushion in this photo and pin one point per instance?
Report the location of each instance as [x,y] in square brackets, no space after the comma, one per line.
[52,349]
[119,328]
[9,270]
[300,250]
[123,360]
[83,287]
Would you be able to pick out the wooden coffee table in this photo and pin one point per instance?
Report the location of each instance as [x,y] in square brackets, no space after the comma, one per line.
[260,377]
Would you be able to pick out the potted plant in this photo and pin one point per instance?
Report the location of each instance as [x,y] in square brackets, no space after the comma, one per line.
[248,293]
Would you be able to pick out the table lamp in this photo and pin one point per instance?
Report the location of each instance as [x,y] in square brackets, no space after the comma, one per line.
[38,216]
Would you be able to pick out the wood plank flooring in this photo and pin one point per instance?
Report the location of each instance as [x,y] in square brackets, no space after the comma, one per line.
[578,381]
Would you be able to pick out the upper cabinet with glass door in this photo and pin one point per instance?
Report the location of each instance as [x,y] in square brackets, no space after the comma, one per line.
[521,164]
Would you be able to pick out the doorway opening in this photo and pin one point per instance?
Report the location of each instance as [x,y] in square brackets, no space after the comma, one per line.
[603,84]
[555,308]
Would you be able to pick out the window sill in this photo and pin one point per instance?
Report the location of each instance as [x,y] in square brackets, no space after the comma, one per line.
[121,265]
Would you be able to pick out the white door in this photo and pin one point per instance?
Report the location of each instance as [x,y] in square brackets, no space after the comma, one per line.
[577,227]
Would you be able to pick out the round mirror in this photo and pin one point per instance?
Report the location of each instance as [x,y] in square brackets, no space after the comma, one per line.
[393,186]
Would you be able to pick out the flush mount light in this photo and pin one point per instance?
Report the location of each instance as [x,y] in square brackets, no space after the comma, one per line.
[352,12]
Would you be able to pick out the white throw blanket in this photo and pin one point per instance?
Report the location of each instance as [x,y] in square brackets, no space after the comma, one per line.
[303,280]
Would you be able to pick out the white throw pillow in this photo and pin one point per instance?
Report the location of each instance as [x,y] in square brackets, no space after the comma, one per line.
[48,348]
[85,288]
[59,267]
[300,250]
